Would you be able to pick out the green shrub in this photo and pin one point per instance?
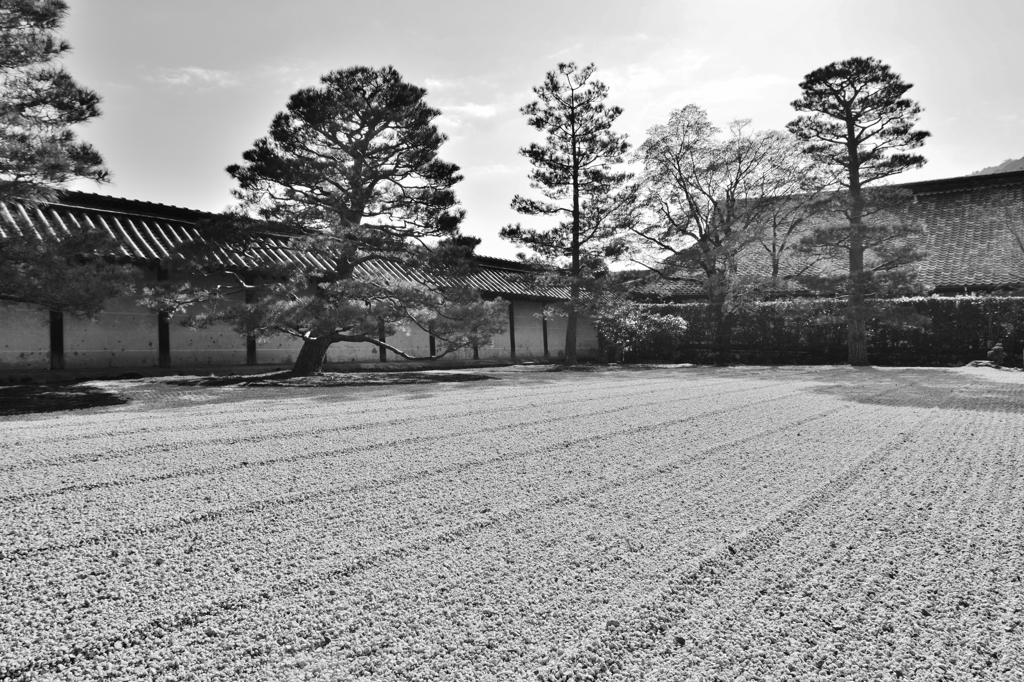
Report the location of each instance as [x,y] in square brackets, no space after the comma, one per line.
[933,330]
[638,331]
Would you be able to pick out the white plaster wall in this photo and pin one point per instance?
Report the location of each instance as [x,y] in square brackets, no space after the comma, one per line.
[278,350]
[412,340]
[24,338]
[123,335]
[353,352]
[498,348]
[586,335]
[529,329]
[215,345]
[556,333]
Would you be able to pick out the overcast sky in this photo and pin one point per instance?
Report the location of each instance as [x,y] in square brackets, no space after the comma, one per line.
[189,85]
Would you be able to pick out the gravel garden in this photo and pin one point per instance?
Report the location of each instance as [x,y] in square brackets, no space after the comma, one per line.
[801,523]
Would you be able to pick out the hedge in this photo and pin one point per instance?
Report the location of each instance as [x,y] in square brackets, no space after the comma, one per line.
[920,331]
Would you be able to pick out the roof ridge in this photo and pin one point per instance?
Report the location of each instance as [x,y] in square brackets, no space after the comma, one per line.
[112,204]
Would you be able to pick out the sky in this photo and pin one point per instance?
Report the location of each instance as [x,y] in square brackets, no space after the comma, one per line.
[189,85]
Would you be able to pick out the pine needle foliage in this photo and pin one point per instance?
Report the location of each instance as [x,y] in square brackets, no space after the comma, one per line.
[575,170]
[350,171]
[40,153]
[857,123]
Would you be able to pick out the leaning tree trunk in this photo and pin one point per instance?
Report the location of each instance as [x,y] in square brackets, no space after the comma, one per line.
[312,355]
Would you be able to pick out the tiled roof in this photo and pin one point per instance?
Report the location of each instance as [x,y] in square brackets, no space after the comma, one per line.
[152,233]
[969,238]
[970,225]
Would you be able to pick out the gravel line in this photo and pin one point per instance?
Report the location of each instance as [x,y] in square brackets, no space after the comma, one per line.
[88,591]
[913,572]
[94,515]
[824,435]
[760,524]
[305,408]
[189,455]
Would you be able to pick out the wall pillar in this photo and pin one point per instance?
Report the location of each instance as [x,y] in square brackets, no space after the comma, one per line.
[512,329]
[250,340]
[56,339]
[163,325]
[544,331]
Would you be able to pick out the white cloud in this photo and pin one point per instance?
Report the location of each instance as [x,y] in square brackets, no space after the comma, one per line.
[737,88]
[494,169]
[470,110]
[660,70]
[438,84]
[456,115]
[194,76]
[570,51]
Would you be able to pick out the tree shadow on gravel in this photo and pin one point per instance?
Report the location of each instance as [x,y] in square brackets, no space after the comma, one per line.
[981,389]
[328,379]
[20,400]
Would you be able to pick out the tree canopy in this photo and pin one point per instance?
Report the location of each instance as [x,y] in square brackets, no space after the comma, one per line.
[350,171]
[575,171]
[39,154]
[708,197]
[39,104]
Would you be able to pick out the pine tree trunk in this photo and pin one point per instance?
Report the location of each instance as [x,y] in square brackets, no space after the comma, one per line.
[312,355]
[856,329]
[570,337]
[574,269]
[856,312]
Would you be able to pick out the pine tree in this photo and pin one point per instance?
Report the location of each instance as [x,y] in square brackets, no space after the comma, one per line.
[39,154]
[350,171]
[574,170]
[860,125]
[39,104]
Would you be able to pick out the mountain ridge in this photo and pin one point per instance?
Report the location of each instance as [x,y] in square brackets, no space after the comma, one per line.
[1005,167]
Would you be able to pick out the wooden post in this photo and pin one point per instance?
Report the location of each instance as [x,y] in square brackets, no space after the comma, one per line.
[433,346]
[250,340]
[163,323]
[382,338]
[544,329]
[56,339]
[250,350]
[512,329]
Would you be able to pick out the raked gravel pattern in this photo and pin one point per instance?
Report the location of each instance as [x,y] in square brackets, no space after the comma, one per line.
[659,524]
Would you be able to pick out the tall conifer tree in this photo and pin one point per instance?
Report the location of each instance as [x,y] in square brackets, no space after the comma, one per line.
[39,154]
[859,124]
[574,170]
